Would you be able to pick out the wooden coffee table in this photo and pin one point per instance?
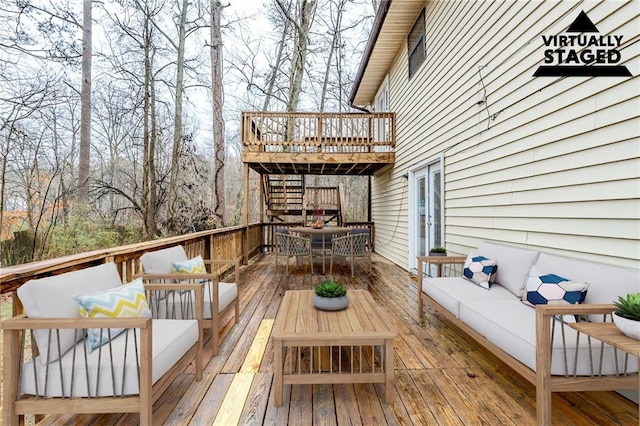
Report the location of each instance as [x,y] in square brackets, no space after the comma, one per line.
[313,346]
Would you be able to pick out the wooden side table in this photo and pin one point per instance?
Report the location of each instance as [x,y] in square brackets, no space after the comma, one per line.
[607,332]
[438,261]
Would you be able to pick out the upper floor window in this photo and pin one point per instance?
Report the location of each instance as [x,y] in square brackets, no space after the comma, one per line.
[382,105]
[416,46]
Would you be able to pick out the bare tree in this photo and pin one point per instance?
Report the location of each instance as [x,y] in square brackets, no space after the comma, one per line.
[218,119]
[302,22]
[275,67]
[84,163]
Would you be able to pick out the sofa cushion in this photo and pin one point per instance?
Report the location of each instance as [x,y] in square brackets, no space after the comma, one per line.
[125,301]
[170,341]
[177,305]
[514,264]
[510,325]
[448,292]
[607,282]
[52,297]
[479,270]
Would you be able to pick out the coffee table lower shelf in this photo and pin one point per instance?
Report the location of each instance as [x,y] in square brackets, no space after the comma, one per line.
[318,347]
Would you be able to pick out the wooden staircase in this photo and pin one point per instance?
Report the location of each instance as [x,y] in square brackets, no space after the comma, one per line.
[289,200]
[284,196]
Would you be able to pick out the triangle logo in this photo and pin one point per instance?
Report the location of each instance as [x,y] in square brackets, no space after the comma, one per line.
[581,53]
[582,24]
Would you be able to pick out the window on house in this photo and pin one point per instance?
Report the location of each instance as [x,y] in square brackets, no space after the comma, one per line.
[416,47]
[382,105]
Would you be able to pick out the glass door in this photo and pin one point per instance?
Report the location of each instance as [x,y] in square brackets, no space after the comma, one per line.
[426,212]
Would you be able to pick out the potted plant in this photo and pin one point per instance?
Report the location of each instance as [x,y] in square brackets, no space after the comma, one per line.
[437,251]
[330,296]
[627,315]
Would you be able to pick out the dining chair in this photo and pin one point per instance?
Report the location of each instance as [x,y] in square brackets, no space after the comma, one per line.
[289,245]
[351,246]
[221,299]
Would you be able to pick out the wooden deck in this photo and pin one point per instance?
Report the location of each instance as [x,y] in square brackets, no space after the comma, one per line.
[441,377]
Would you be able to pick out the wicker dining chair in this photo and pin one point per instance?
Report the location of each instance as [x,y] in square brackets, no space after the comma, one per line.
[289,245]
[351,246]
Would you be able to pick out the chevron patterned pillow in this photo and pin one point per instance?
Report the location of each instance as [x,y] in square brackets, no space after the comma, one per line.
[121,302]
[191,266]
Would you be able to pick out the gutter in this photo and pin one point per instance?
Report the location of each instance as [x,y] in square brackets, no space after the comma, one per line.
[381,14]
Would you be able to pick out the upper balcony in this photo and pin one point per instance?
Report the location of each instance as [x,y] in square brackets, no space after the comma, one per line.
[318,143]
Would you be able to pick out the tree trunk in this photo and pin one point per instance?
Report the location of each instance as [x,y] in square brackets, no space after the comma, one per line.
[218,121]
[149,136]
[177,116]
[85,96]
[307,8]
[335,42]
[275,69]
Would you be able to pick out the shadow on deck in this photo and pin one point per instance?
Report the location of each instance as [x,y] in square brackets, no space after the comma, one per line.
[441,377]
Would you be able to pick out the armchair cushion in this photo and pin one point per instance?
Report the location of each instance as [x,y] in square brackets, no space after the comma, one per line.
[171,340]
[160,261]
[52,297]
[124,301]
[180,305]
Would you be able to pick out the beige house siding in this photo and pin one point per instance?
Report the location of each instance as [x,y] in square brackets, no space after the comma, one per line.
[546,163]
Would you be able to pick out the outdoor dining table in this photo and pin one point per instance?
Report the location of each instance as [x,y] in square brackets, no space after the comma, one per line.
[324,231]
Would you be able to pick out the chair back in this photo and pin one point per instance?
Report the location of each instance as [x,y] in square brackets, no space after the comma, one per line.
[352,245]
[293,245]
[159,261]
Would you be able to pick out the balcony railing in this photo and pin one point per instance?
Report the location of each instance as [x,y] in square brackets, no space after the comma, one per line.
[318,132]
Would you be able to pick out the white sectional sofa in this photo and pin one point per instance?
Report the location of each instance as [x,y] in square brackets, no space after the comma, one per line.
[59,371]
[499,320]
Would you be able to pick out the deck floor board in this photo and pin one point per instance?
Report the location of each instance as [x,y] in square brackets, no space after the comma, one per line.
[442,377]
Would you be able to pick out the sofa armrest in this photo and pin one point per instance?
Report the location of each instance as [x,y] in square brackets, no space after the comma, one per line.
[544,316]
[435,260]
[582,309]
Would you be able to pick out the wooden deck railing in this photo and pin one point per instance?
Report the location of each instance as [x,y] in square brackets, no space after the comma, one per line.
[225,243]
[318,132]
[321,197]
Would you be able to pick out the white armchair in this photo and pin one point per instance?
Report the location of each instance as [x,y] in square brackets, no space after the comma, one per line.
[50,368]
[220,298]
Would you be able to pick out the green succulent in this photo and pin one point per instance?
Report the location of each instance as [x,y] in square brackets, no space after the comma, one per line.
[438,249]
[330,288]
[629,306]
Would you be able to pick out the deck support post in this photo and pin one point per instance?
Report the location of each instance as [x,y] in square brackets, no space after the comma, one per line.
[245,248]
